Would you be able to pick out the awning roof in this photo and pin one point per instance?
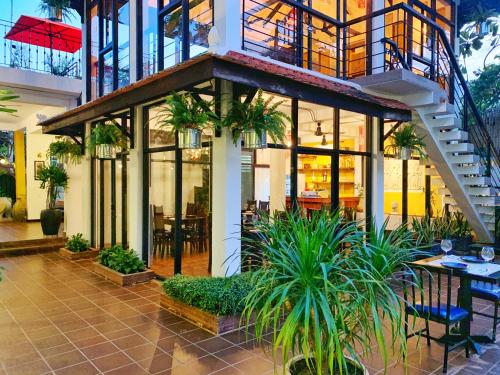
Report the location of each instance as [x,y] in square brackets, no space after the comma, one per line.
[238,68]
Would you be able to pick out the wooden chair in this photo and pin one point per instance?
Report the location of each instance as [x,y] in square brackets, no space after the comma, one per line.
[427,294]
[161,236]
[264,206]
[488,292]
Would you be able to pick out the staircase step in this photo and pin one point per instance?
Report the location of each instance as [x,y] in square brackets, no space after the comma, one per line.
[473,190]
[486,210]
[444,123]
[488,218]
[441,115]
[469,169]
[444,191]
[476,180]
[449,200]
[491,226]
[464,159]
[485,201]
[458,147]
[453,135]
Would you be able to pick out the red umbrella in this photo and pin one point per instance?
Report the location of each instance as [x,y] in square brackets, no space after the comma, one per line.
[45,33]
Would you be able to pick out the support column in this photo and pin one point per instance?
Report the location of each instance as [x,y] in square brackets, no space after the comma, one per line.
[20,162]
[378,32]
[225,35]
[277,179]
[377,179]
[135,204]
[226,196]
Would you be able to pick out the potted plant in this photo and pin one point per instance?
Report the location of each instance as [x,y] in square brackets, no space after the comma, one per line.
[77,248]
[405,142]
[461,232]
[53,178]
[56,10]
[122,266]
[324,289]
[187,116]
[213,303]
[105,138]
[65,150]
[253,120]
[424,234]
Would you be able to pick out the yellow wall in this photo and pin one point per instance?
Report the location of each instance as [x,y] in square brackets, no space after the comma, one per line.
[20,163]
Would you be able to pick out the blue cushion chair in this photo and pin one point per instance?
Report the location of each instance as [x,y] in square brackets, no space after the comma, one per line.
[489,292]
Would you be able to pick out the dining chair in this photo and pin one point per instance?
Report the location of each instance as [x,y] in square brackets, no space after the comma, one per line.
[264,206]
[251,205]
[161,236]
[488,292]
[427,295]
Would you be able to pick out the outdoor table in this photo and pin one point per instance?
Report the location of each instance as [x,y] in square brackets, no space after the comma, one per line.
[474,272]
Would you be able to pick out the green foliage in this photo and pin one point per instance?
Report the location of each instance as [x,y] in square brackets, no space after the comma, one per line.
[260,116]
[52,177]
[6,96]
[427,230]
[406,136]
[215,295]
[63,5]
[65,150]
[107,133]
[77,243]
[476,11]
[326,292]
[424,231]
[460,227]
[485,89]
[183,111]
[121,260]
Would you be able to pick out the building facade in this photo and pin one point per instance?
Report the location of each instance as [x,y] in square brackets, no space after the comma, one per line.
[347,73]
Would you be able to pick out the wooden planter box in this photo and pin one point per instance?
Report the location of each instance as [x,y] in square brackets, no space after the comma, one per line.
[121,278]
[90,253]
[209,322]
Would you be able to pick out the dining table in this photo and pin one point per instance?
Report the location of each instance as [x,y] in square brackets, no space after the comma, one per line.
[487,273]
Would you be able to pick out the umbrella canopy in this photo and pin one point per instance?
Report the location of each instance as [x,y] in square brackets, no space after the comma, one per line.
[45,33]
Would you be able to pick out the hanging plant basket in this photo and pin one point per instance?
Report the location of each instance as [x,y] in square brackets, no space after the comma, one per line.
[55,14]
[253,140]
[105,151]
[189,138]
[404,153]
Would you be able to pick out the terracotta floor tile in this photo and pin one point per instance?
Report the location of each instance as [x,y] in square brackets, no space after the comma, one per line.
[254,365]
[85,368]
[207,364]
[130,341]
[59,361]
[132,369]
[100,350]
[112,361]
[158,363]
[145,351]
[32,368]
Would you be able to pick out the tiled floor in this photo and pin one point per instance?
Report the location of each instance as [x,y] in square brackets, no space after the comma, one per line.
[57,317]
[12,231]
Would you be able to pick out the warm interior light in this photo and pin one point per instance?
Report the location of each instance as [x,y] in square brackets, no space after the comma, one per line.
[323,141]
[318,131]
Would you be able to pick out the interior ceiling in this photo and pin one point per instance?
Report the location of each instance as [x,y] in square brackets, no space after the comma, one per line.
[24,112]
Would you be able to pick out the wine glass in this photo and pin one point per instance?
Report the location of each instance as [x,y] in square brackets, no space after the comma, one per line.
[446,246]
[488,254]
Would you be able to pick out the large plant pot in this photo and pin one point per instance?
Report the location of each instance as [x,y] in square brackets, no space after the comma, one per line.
[19,210]
[253,140]
[51,221]
[55,14]
[404,153]
[289,367]
[189,138]
[105,151]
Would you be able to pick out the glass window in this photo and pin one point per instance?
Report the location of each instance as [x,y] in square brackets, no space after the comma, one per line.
[315,125]
[352,131]
[172,39]
[94,52]
[123,43]
[149,37]
[200,22]
[107,11]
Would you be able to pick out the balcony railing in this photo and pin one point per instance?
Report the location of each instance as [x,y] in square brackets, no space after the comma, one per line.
[397,37]
[28,56]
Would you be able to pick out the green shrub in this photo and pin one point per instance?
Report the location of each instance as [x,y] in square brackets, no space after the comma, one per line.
[215,295]
[121,260]
[77,243]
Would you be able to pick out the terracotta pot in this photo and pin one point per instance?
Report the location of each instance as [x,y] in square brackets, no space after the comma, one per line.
[189,138]
[300,357]
[252,140]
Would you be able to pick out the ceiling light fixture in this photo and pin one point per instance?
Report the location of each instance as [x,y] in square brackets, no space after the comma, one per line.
[318,131]
[323,141]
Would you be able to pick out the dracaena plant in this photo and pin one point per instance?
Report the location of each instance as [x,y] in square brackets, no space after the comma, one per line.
[107,133]
[326,290]
[52,177]
[65,149]
[260,115]
[183,111]
[406,137]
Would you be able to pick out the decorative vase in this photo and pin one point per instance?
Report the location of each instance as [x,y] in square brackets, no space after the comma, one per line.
[105,151]
[289,367]
[189,138]
[55,14]
[19,210]
[51,221]
[253,140]
[405,153]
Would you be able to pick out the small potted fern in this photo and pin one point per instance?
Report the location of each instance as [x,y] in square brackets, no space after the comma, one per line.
[65,150]
[405,142]
[187,116]
[77,248]
[105,138]
[254,120]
